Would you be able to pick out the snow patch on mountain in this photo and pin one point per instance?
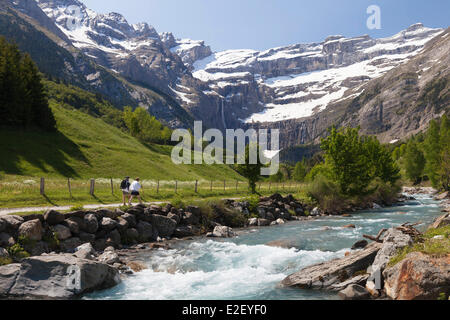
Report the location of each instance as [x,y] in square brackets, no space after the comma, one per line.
[309,76]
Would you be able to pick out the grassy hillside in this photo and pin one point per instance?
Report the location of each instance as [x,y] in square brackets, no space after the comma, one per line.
[87,147]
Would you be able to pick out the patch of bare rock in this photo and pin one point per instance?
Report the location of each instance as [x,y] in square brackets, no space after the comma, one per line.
[366,274]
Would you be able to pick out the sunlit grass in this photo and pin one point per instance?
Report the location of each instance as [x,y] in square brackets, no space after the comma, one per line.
[18,191]
[435,242]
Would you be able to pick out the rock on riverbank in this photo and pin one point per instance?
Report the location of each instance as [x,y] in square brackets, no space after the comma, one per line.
[328,275]
[62,276]
[366,273]
[418,277]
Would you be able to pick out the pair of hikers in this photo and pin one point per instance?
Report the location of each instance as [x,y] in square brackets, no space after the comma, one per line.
[130,190]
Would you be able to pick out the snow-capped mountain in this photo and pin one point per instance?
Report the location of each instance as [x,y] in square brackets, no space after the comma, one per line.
[299,80]
[135,51]
[250,86]
[178,80]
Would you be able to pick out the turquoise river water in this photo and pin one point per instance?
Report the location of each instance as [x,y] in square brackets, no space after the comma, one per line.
[245,268]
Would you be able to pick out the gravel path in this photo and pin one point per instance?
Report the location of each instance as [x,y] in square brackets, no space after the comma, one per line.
[7,211]
[63,208]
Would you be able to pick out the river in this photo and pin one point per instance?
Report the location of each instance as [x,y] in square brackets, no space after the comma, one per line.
[244,268]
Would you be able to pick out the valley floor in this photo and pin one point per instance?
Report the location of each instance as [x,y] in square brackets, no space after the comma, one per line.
[27,199]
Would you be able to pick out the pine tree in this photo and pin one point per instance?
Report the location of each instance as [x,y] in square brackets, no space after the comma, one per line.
[414,162]
[346,156]
[23,101]
[444,168]
[300,171]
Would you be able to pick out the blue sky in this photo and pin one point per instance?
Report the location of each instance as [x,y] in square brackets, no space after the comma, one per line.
[263,24]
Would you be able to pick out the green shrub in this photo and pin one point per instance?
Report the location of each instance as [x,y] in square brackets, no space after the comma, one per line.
[178,203]
[17,252]
[385,192]
[217,211]
[427,245]
[253,202]
[442,297]
[26,243]
[325,192]
[320,169]
[5,260]
[51,238]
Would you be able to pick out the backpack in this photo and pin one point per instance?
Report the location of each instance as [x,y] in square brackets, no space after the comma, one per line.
[124,185]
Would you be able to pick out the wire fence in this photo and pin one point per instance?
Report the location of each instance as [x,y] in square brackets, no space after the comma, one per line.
[102,186]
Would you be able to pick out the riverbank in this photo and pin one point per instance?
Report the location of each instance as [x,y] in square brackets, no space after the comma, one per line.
[251,265]
[125,257]
[401,263]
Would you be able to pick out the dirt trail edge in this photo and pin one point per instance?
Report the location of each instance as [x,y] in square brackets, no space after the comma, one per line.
[6,211]
[64,208]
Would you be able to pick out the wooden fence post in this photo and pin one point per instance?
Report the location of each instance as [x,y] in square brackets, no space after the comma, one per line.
[224,185]
[196,186]
[92,187]
[210,187]
[157,187]
[42,187]
[112,187]
[70,189]
[176,186]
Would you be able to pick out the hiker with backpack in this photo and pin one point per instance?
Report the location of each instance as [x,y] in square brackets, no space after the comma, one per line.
[134,189]
[125,187]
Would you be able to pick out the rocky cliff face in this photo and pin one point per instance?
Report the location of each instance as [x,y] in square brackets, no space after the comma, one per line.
[393,106]
[301,89]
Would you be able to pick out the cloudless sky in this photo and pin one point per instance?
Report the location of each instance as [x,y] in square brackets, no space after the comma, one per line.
[263,24]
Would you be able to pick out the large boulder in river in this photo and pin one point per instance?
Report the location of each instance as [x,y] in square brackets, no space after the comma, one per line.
[165,225]
[55,277]
[325,275]
[31,230]
[315,212]
[223,232]
[109,257]
[184,231]
[393,241]
[418,277]
[354,292]
[85,251]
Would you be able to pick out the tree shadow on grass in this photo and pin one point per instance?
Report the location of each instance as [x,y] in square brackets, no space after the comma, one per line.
[98,199]
[50,152]
[49,200]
